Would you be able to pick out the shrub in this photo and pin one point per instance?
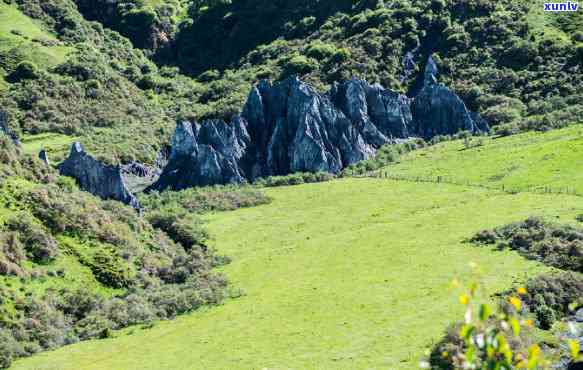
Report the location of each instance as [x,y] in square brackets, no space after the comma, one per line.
[186,231]
[319,50]
[553,297]
[559,246]
[487,339]
[9,349]
[210,75]
[294,179]
[93,326]
[201,200]
[110,270]
[40,246]
[519,53]
[506,130]
[24,71]
[299,64]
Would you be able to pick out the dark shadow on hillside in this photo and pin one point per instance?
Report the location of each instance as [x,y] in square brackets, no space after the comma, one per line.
[220,37]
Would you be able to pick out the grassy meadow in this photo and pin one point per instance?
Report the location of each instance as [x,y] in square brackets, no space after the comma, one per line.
[22,38]
[529,161]
[56,145]
[350,274]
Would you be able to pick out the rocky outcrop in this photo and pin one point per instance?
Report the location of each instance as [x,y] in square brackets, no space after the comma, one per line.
[437,110]
[95,177]
[44,157]
[138,170]
[288,127]
[207,155]
[5,128]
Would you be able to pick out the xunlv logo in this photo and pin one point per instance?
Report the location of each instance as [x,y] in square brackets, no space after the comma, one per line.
[561,7]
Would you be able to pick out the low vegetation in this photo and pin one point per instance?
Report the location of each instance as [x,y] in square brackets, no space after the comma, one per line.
[342,271]
[122,95]
[534,161]
[560,246]
[294,179]
[542,302]
[73,267]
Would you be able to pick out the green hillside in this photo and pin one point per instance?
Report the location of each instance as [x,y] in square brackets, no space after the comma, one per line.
[75,267]
[516,66]
[22,38]
[535,161]
[352,273]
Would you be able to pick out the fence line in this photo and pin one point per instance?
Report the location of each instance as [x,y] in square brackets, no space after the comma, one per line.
[452,181]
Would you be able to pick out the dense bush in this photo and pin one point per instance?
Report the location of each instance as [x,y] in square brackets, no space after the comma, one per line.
[294,179]
[134,103]
[552,297]
[13,163]
[299,65]
[488,338]
[24,71]
[386,155]
[559,246]
[183,229]
[157,270]
[40,246]
[201,200]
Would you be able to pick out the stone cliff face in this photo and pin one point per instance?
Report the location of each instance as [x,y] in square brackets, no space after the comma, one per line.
[437,110]
[97,178]
[289,127]
[5,128]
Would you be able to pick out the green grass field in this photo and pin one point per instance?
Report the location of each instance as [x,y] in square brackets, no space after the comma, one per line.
[56,145]
[532,160]
[351,274]
[21,38]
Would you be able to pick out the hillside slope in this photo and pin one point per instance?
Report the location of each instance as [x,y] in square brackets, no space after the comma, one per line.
[348,274]
[351,274]
[74,267]
[502,58]
[550,161]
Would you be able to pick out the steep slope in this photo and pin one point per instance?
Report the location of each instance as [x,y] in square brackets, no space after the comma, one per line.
[102,89]
[493,55]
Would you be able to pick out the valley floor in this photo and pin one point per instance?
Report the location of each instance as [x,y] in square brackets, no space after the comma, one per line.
[351,274]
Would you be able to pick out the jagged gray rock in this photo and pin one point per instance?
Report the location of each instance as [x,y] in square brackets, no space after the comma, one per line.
[374,108]
[95,177]
[138,170]
[5,128]
[409,65]
[205,155]
[43,156]
[431,72]
[437,110]
[289,127]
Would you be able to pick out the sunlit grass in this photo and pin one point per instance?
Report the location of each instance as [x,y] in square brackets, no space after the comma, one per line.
[56,145]
[351,274]
[23,35]
[532,160]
